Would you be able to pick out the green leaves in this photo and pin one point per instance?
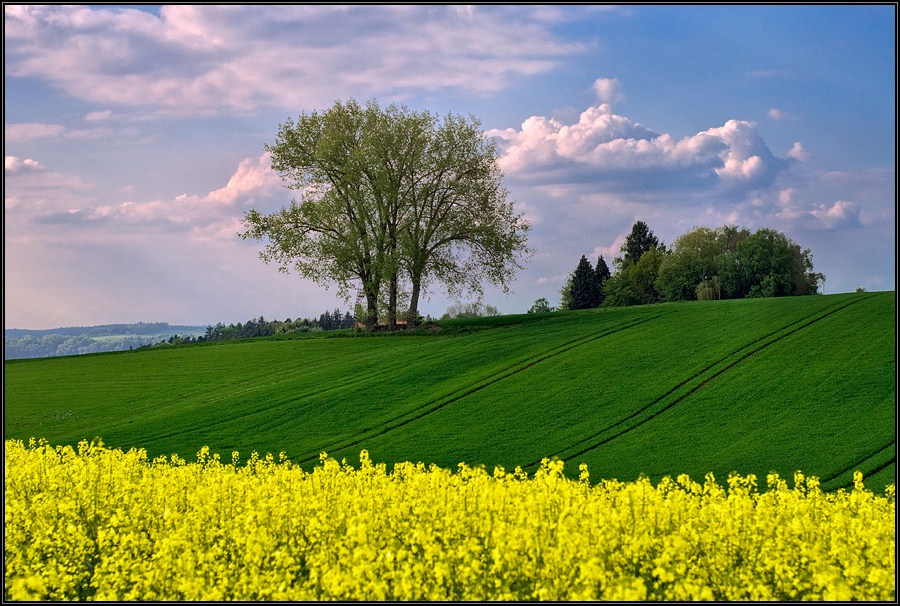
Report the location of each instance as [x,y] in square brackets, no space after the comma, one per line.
[391,198]
[736,263]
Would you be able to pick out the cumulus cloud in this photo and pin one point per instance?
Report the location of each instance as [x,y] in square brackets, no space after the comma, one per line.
[613,152]
[14,165]
[254,177]
[841,213]
[798,153]
[609,90]
[801,207]
[207,59]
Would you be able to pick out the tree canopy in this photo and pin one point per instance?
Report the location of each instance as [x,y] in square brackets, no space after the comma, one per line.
[705,263]
[391,201]
[475,309]
[540,306]
[730,263]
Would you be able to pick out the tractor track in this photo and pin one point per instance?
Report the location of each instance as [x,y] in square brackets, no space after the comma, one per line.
[757,345]
[426,409]
[265,408]
[860,462]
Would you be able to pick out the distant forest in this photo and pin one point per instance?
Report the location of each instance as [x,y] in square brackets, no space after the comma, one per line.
[22,343]
[261,327]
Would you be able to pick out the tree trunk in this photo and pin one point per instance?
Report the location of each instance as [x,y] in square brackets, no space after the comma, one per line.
[392,303]
[371,312]
[413,306]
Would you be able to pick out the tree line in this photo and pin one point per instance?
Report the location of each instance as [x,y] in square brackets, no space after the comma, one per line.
[703,264]
[21,344]
[391,202]
[55,344]
[260,327]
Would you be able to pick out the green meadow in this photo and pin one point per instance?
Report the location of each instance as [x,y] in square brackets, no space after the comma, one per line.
[751,385]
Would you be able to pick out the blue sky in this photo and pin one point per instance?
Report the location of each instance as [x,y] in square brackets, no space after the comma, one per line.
[134,138]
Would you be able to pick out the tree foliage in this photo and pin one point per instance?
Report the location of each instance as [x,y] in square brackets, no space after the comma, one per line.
[635,283]
[540,306]
[638,242]
[584,289]
[705,263]
[730,263]
[603,274]
[391,200]
[475,309]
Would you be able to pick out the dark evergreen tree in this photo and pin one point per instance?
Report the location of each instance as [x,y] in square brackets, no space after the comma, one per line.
[639,241]
[585,290]
[602,272]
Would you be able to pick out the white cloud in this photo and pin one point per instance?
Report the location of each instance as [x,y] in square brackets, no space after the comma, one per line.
[614,152]
[22,133]
[610,252]
[798,153]
[14,133]
[608,90]
[211,216]
[841,213]
[13,165]
[206,59]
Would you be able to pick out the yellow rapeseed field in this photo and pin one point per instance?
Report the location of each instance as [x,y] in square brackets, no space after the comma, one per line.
[102,524]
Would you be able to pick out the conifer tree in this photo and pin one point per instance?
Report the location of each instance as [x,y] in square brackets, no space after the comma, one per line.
[603,273]
[639,241]
[585,289]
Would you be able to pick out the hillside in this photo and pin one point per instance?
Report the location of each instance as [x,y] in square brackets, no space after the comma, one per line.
[22,343]
[754,385]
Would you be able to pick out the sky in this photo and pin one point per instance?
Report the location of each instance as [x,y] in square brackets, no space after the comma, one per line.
[134,139]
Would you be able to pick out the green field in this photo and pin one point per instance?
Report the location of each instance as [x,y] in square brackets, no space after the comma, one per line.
[753,385]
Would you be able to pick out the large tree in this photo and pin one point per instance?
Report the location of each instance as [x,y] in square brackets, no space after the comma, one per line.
[336,233]
[390,195]
[693,258]
[638,242]
[461,230]
[634,282]
[584,289]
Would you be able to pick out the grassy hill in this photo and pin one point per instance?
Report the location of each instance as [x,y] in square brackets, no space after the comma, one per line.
[749,385]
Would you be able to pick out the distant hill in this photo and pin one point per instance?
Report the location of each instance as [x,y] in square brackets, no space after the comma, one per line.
[749,385]
[19,343]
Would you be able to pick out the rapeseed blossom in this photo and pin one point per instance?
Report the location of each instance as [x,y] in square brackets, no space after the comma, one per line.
[102,524]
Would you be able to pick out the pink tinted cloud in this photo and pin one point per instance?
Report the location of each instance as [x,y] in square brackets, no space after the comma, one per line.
[214,214]
[13,165]
[208,59]
[15,133]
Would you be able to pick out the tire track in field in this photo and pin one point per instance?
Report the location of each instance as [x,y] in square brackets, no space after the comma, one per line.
[860,462]
[885,465]
[426,409]
[347,383]
[265,408]
[762,342]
